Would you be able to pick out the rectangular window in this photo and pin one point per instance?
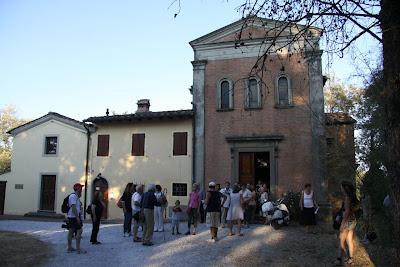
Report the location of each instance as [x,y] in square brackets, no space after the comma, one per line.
[180,144]
[179,189]
[138,144]
[253,91]
[50,147]
[225,95]
[103,145]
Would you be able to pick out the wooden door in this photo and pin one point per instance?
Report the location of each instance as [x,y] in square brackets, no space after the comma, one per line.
[48,192]
[2,196]
[246,168]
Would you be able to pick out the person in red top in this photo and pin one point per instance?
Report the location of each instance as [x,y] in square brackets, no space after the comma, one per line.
[193,208]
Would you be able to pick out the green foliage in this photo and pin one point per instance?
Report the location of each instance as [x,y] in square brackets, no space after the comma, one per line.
[339,98]
[292,200]
[5,161]
[8,121]
[371,143]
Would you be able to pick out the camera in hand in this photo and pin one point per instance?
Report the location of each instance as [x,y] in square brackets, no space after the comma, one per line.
[66,225]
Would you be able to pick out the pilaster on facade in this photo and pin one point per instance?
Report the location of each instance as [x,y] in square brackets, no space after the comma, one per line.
[199,67]
[317,122]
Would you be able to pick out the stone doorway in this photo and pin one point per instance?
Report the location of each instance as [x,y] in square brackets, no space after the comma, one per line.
[254,167]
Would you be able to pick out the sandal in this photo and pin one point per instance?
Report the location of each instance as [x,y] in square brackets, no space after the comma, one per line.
[338,262]
[349,261]
[231,234]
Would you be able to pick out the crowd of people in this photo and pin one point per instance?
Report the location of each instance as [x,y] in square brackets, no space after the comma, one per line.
[219,207]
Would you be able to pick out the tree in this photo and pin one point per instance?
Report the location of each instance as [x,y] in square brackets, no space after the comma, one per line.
[339,98]
[8,120]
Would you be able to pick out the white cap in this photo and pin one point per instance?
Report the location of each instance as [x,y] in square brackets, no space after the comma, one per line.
[151,187]
[211,184]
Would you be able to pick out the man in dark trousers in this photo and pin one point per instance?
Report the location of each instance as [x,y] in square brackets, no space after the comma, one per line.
[148,202]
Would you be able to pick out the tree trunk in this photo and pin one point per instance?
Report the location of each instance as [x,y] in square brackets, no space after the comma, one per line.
[390,10]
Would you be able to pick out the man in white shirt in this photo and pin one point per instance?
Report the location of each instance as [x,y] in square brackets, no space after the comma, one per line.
[75,218]
[246,194]
[225,191]
[136,208]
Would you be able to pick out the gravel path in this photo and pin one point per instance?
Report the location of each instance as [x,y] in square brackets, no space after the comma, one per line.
[260,246]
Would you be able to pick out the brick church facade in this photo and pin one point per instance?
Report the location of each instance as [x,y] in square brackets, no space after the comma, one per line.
[267,126]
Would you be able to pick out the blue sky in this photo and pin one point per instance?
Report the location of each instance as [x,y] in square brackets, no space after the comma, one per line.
[80,57]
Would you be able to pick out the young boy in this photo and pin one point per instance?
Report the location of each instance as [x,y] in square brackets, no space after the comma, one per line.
[176,212]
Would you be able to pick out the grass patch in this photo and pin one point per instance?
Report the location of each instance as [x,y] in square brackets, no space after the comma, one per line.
[22,250]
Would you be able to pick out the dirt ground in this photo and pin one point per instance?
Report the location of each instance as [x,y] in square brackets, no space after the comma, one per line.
[22,250]
[260,246]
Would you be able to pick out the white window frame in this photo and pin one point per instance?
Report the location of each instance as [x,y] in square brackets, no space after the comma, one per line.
[219,100]
[247,90]
[290,95]
[44,154]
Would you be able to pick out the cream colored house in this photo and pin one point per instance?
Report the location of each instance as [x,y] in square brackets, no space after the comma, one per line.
[144,147]
[48,157]
[50,154]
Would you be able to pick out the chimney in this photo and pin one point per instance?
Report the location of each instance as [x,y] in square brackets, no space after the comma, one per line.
[143,105]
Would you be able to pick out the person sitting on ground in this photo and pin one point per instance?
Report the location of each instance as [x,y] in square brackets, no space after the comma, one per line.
[136,208]
[193,208]
[308,205]
[213,202]
[176,215]
[235,211]
[149,201]
[97,207]
[75,219]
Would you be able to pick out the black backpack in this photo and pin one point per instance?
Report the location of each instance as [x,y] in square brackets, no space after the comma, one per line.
[65,206]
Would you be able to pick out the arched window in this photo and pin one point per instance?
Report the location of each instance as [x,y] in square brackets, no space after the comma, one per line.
[283,92]
[253,93]
[225,95]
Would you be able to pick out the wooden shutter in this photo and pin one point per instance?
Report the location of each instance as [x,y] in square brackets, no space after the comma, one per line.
[138,144]
[103,145]
[180,144]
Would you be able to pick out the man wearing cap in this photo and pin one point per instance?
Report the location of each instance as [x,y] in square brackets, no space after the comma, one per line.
[213,202]
[149,200]
[75,219]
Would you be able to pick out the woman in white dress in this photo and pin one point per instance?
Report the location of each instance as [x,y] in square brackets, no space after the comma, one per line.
[235,211]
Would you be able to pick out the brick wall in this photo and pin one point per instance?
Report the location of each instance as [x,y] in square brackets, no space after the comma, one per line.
[295,161]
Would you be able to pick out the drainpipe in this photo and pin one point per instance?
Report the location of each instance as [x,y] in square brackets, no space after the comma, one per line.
[86,167]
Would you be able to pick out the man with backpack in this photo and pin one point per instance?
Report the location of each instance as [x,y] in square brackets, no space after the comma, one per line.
[74,215]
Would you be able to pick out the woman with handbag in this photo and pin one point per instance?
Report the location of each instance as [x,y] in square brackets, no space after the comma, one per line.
[127,207]
[96,210]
